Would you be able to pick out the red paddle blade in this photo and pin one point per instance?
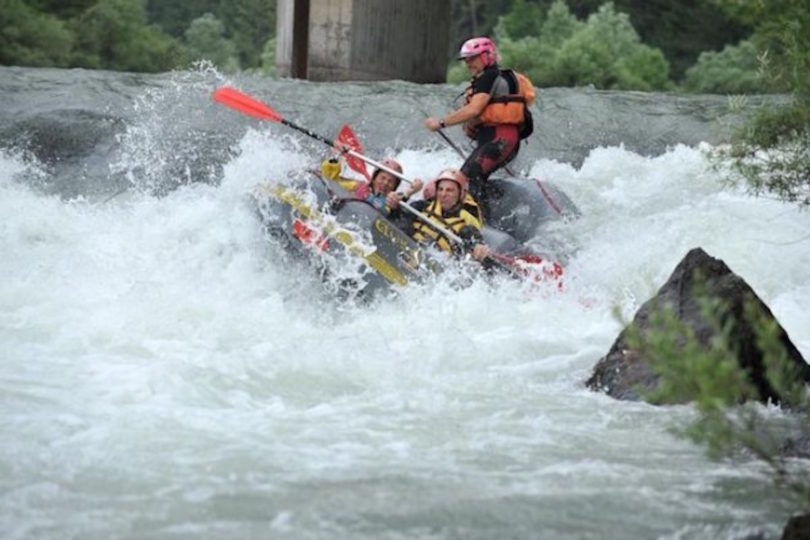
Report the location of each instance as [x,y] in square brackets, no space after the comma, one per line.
[347,138]
[233,98]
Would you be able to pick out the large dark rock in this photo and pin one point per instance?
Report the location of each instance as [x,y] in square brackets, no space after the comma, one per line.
[797,528]
[625,373]
[796,446]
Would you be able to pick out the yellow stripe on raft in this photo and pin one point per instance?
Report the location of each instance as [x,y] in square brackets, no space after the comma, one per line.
[344,236]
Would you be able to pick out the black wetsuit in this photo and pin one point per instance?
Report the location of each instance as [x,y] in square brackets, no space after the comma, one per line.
[496,145]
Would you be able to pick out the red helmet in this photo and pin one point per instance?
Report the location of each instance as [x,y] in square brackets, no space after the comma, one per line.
[479,45]
[392,164]
[456,176]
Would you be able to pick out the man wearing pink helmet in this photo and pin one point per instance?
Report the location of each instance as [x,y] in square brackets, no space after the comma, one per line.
[447,210]
[374,192]
[493,114]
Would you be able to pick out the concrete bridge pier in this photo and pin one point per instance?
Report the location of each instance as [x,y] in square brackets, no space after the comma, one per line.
[340,40]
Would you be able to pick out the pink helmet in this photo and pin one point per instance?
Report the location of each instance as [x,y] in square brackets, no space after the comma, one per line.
[391,164]
[429,190]
[479,45]
[454,175]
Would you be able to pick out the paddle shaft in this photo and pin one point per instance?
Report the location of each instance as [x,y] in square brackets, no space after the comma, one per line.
[246,104]
[452,144]
[307,132]
[499,260]
[458,150]
[348,151]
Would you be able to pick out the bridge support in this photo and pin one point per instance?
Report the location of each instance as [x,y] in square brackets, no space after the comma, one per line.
[338,40]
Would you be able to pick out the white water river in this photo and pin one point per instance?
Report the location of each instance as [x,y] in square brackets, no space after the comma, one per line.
[163,375]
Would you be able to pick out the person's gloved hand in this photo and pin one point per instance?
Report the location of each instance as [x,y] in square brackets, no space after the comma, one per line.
[331,168]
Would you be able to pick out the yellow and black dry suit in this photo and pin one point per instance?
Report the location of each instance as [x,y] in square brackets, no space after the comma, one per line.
[459,220]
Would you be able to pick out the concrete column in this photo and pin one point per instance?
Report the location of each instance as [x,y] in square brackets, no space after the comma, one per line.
[366,39]
[292,38]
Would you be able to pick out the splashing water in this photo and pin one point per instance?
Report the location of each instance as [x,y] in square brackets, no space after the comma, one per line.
[165,372]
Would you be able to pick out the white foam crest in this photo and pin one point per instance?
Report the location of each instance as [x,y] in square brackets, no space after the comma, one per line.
[642,214]
[157,154]
[178,359]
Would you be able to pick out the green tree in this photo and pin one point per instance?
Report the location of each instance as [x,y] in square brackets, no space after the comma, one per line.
[536,56]
[473,18]
[250,23]
[772,152]
[734,70]
[205,40]
[269,57]
[604,51]
[781,35]
[175,16]
[560,24]
[113,34]
[31,38]
[608,53]
[63,9]
[682,30]
[524,19]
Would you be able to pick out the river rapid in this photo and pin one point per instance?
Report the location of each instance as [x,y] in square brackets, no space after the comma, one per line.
[166,373]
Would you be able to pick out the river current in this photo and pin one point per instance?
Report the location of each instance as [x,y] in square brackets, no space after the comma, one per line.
[166,373]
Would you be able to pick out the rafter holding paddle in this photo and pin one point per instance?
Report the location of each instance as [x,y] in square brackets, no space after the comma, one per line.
[233,98]
[522,264]
[348,144]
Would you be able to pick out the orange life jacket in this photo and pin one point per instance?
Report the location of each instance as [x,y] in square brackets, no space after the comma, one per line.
[511,108]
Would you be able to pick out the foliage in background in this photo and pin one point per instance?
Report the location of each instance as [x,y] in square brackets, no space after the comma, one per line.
[113,34]
[681,30]
[729,420]
[772,152]
[605,51]
[135,35]
[31,38]
[524,19]
[250,23]
[734,70]
[608,53]
[205,39]
[175,16]
[269,57]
